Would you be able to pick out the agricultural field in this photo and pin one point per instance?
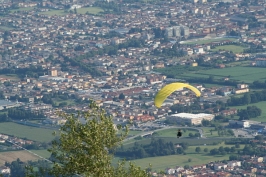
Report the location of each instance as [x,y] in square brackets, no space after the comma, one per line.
[245,74]
[91,10]
[206,41]
[261,105]
[22,131]
[233,48]
[14,155]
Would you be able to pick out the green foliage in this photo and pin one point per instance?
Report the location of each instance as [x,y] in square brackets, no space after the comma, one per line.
[85,149]
[155,148]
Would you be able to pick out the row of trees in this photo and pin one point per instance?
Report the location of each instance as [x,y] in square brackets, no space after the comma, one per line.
[247,98]
[222,150]
[157,147]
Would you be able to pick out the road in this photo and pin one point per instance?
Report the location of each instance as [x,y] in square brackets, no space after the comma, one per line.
[165,128]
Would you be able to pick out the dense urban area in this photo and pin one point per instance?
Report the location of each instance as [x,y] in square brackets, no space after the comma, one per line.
[60,55]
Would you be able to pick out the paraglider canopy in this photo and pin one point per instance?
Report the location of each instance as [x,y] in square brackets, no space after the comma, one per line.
[169,89]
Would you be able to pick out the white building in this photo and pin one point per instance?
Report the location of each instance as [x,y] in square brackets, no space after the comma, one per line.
[234,164]
[4,170]
[242,123]
[191,118]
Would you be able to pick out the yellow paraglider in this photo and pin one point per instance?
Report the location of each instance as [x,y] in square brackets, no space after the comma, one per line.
[169,89]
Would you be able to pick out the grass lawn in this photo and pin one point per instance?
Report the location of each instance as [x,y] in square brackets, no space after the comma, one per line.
[190,141]
[44,153]
[22,131]
[261,105]
[245,74]
[160,163]
[91,10]
[233,48]
[191,149]
[172,132]
[207,132]
[205,41]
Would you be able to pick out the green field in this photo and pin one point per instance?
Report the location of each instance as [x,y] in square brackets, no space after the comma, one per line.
[207,132]
[172,132]
[91,10]
[43,153]
[160,163]
[233,48]
[190,141]
[22,131]
[206,41]
[245,74]
[261,105]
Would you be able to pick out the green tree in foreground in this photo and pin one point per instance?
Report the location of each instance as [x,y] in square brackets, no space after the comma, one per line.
[84,149]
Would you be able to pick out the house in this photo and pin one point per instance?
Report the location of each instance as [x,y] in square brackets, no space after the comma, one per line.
[234,164]
[219,166]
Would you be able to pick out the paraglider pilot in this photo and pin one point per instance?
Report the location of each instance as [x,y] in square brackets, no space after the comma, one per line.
[179,134]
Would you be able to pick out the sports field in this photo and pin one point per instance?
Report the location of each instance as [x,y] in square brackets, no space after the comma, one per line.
[22,131]
[233,48]
[245,74]
[206,41]
[91,10]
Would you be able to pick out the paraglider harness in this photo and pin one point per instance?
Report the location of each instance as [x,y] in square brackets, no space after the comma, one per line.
[179,134]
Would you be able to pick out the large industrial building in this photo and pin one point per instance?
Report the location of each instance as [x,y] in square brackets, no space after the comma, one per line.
[191,118]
